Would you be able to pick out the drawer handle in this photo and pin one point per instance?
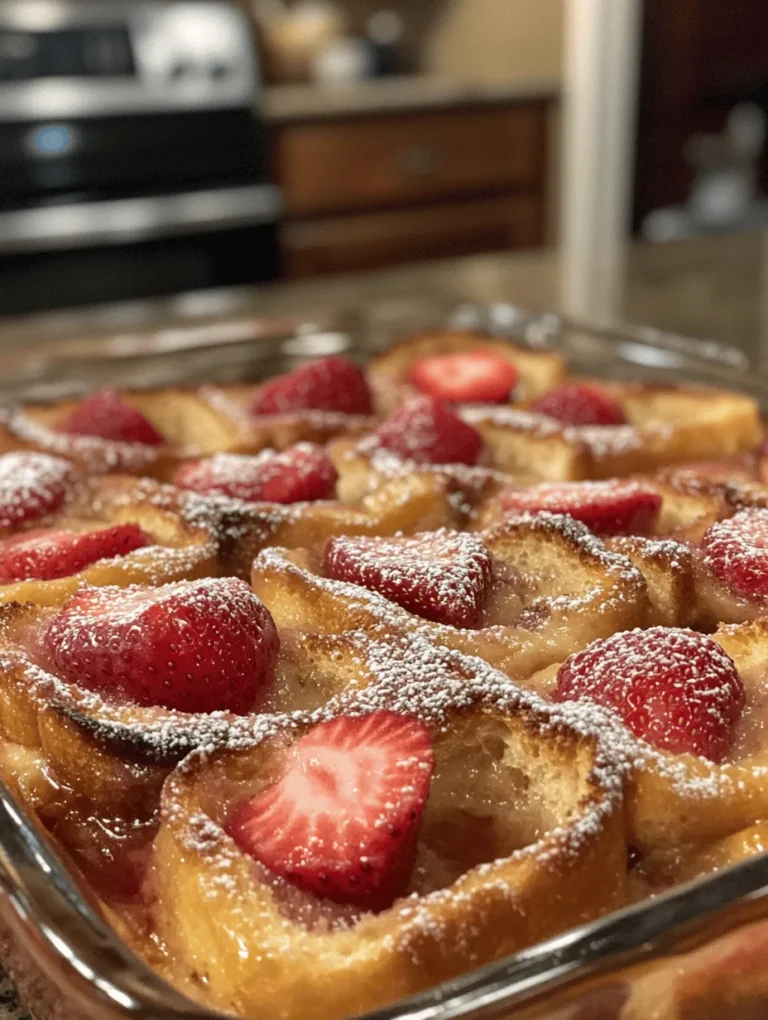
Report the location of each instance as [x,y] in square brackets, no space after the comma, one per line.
[418,159]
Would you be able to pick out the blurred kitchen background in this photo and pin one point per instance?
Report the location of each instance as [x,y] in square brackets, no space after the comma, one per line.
[150,148]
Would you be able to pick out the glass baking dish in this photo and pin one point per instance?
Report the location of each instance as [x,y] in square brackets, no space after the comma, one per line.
[697,951]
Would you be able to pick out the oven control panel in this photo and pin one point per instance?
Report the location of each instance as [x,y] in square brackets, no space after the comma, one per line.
[66,59]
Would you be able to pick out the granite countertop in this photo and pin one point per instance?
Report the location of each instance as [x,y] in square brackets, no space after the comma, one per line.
[10,1008]
[713,287]
[406,93]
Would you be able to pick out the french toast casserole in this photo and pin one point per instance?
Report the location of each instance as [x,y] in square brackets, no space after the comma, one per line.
[332,688]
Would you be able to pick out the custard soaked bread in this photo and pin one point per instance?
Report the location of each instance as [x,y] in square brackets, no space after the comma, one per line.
[334,687]
[386,843]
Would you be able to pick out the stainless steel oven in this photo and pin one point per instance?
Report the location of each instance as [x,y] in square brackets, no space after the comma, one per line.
[133,161]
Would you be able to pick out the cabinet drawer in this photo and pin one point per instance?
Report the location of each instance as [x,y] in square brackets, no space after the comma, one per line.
[382,239]
[378,162]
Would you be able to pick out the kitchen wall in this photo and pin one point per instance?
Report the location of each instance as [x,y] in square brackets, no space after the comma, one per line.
[497,38]
[478,38]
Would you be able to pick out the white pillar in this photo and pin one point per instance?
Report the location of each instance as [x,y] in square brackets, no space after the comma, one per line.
[602,46]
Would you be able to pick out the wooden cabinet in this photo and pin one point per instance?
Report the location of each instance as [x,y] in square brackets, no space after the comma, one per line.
[368,191]
[386,238]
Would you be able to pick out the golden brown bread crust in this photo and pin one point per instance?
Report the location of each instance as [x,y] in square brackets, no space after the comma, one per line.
[686,815]
[572,591]
[669,428]
[213,903]
[278,431]
[408,503]
[681,804]
[115,754]
[665,426]
[196,423]
[538,371]
[667,567]
[185,541]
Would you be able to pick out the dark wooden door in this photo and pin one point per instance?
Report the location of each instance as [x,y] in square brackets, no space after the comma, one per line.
[700,58]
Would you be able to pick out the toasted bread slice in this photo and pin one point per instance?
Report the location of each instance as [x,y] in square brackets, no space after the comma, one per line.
[561,590]
[500,760]
[538,371]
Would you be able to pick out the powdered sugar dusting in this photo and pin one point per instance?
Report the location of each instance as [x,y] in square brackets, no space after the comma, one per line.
[676,688]
[97,455]
[31,485]
[609,574]
[442,575]
[735,552]
[504,416]
[602,441]
[442,688]
[608,440]
[300,473]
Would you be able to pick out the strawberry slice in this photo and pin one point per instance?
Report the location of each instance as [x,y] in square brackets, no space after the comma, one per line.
[471,377]
[343,821]
[579,404]
[442,575]
[106,415]
[303,472]
[196,646]
[426,432]
[677,689]
[613,507]
[47,553]
[31,485]
[735,552]
[329,384]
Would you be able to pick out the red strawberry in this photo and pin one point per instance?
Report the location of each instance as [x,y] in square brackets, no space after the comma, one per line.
[302,473]
[614,507]
[579,404]
[675,688]
[472,377]
[329,384]
[45,554]
[735,552]
[106,415]
[31,485]
[442,576]
[196,646]
[342,823]
[425,431]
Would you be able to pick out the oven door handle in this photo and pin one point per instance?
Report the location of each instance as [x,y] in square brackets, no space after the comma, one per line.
[128,220]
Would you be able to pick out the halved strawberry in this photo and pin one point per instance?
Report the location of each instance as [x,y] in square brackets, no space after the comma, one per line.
[675,688]
[442,575]
[47,553]
[328,384]
[196,646]
[470,377]
[735,552]
[106,415]
[613,507]
[425,431]
[342,823]
[31,485]
[301,473]
[580,404]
